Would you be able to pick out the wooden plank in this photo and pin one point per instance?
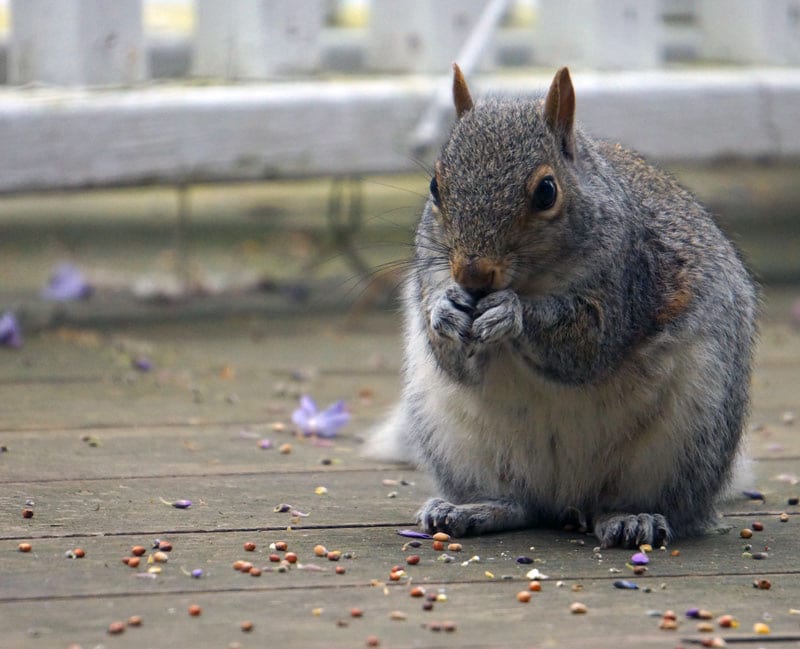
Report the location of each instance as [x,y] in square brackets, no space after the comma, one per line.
[185,134]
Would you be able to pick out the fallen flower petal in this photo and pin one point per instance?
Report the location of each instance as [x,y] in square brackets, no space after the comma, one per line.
[177,504]
[311,421]
[625,585]
[66,283]
[413,534]
[640,559]
[10,332]
[753,495]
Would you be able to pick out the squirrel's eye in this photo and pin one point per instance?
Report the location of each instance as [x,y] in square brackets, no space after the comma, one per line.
[545,194]
[435,190]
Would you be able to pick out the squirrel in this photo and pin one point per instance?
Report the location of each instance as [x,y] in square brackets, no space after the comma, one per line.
[578,335]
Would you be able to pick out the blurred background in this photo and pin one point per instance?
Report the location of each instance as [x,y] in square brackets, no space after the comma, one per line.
[168,159]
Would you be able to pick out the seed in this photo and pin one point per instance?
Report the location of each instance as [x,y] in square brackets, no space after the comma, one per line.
[340,570]
[195,610]
[727,622]
[274,558]
[762,584]
[705,627]
[281,546]
[165,546]
[454,547]
[291,557]
[133,562]
[197,573]
[246,626]
[449,626]
[670,615]
[24,547]
[441,536]
[427,606]
[356,612]
[27,513]
[246,566]
[237,565]
[417,591]
[412,560]
[135,620]
[334,555]
[675,553]
[535,586]
[435,626]
[784,517]
[639,570]
[761,628]
[255,572]
[115,628]
[760,555]
[746,533]
[160,557]
[249,546]
[285,449]
[794,500]
[398,616]
[668,624]
[758,526]
[320,550]
[373,641]
[438,545]
[524,596]
[577,608]
[79,553]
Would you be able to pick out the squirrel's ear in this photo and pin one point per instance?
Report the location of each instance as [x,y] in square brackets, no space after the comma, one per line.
[461,96]
[559,110]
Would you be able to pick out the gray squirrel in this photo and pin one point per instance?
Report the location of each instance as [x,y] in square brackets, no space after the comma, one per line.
[578,335]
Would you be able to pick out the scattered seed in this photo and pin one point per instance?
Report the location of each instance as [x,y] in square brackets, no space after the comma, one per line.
[646,547]
[535,586]
[753,495]
[274,558]
[417,591]
[334,555]
[639,570]
[281,546]
[282,508]
[160,557]
[373,641]
[285,449]
[398,616]
[727,622]
[675,553]
[449,626]
[578,608]
[79,553]
[760,628]
[758,526]
[195,610]
[135,620]
[115,628]
[640,559]
[454,547]
[138,550]
[340,570]
[246,626]
[249,546]
[196,573]
[668,624]
[165,546]
[705,627]
[794,500]
[182,504]
[524,596]
[625,585]
[291,557]
[441,536]
[438,545]
[413,559]
[27,513]
[320,550]
[255,572]
[321,491]
[265,444]
[524,560]
[356,612]
[427,605]
[133,562]
[760,555]
[746,533]
[762,584]
[24,547]
[784,517]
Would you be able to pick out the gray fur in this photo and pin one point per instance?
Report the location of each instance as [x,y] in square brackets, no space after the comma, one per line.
[606,381]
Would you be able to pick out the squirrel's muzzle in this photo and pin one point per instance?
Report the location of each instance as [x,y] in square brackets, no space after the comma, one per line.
[477,274]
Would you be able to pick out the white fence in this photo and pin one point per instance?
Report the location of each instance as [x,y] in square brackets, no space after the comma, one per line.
[291,118]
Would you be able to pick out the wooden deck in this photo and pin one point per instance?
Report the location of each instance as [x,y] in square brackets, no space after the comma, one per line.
[97,449]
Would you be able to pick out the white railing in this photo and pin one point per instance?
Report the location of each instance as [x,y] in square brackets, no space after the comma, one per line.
[294,118]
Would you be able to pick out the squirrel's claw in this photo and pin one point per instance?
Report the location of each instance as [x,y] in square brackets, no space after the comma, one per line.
[632,530]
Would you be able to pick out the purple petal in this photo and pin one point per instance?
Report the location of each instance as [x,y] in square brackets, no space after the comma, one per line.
[303,416]
[624,584]
[413,534]
[66,283]
[640,559]
[182,504]
[10,332]
[332,419]
[265,444]
[752,494]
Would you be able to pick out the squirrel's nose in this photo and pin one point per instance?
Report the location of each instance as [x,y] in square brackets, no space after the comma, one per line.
[475,274]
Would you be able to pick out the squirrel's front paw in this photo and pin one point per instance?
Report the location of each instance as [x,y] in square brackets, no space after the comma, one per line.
[632,530]
[438,515]
[451,315]
[497,316]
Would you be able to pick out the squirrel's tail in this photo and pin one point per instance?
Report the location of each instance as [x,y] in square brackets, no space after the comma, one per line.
[388,442]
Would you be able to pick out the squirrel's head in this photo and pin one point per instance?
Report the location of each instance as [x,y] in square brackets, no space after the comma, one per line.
[503,186]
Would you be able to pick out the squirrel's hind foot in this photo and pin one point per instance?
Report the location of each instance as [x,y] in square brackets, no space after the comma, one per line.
[632,530]
[438,515]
